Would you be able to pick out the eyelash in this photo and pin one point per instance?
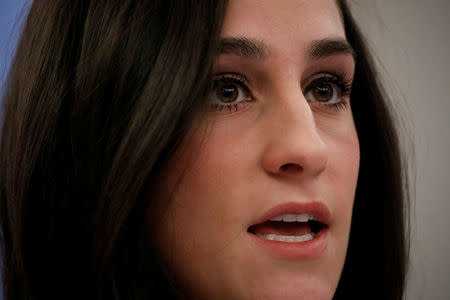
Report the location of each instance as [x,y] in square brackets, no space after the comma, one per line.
[337,80]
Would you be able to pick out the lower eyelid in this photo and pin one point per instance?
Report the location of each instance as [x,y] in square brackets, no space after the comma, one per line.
[231,108]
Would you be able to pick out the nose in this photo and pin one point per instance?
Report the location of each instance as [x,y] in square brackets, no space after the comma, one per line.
[294,146]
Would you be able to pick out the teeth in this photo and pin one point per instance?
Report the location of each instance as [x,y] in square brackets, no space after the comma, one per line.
[289,218]
[288,238]
[303,218]
[294,218]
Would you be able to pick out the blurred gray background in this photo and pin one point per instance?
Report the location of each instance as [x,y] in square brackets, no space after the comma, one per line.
[411,40]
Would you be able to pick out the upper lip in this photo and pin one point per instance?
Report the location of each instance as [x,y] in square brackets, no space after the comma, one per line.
[317,209]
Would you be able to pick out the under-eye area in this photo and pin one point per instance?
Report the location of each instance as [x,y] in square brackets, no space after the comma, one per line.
[288,228]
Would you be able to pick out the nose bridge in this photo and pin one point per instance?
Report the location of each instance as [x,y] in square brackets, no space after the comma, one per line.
[294,141]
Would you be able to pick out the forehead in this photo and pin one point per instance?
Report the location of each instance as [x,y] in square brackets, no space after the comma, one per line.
[283,24]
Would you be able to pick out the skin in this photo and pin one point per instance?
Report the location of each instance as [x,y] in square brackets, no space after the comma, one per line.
[280,147]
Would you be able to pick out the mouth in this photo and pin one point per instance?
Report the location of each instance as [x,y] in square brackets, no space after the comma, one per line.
[296,230]
[290,228]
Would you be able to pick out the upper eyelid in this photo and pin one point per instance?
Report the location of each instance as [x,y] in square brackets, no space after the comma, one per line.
[238,79]
[305,84]
[341,77]
[327,79]
[233,75]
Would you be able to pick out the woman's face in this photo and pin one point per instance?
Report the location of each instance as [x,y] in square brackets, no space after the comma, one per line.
[279,143]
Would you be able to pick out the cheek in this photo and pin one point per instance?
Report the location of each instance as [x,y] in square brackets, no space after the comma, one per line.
[342,175]
[344,153]
[343,149]
[199,211]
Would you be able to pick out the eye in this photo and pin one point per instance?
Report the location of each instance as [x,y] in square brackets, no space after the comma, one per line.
[328,90]
[324,93]
[229,91]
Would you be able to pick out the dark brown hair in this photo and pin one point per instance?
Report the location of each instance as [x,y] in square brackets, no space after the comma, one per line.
[377,254]
[98,97]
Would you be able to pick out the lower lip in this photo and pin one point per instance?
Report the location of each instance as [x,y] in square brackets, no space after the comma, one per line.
[293,250]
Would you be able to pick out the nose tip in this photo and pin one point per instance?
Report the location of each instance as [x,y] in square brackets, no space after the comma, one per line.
[307,156]
[294,146]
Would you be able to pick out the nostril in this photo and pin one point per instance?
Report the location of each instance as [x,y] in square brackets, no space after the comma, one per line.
[290,168]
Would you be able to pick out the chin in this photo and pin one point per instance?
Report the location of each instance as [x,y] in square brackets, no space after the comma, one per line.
[294,293]
[289,286]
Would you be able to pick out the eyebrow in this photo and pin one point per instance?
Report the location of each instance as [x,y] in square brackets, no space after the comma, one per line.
[243,47]
[327,47]
[256,49]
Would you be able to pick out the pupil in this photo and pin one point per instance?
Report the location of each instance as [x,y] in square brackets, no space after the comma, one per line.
[228,93]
